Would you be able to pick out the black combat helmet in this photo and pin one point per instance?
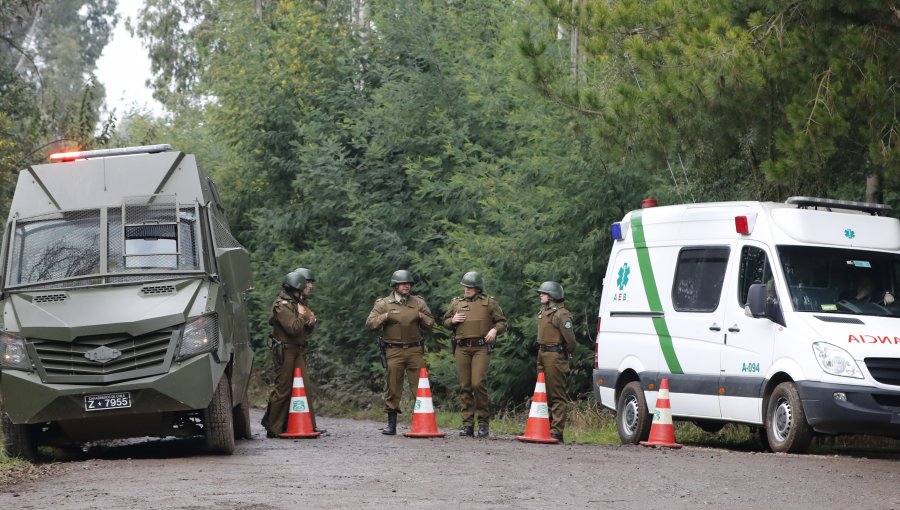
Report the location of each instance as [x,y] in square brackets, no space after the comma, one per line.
[554,290]
[401,276]
[473,279]
[306,273]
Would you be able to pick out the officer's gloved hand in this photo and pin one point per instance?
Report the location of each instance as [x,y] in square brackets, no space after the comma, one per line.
[888,298]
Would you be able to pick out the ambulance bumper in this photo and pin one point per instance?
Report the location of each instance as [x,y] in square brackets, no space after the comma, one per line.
[866,409]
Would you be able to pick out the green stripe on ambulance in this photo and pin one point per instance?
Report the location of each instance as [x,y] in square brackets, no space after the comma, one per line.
[649,282]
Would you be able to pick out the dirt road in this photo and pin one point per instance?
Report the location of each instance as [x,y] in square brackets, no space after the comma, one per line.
[355,466]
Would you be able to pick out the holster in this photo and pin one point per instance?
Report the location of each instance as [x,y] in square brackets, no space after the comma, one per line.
[277,351]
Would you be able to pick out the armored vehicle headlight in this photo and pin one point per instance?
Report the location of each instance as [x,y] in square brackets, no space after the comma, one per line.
[836,361]
[12,352]
[200,335]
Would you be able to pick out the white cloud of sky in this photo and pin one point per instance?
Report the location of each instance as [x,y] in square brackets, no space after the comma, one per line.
[124,67]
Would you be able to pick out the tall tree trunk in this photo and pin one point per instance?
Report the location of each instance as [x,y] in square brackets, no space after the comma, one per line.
[30,36]
[873,188]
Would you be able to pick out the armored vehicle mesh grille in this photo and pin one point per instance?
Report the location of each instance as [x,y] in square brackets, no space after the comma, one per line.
[884,370]
[222,235]
[68,358]
[55,246]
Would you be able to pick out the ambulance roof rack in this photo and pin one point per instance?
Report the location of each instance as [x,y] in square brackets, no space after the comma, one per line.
[102,153]
[830,203]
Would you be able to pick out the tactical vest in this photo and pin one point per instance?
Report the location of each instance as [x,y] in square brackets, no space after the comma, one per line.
[402,325]
[478,319]
[548,334]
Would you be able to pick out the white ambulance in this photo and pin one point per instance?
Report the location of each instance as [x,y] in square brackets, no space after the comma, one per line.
[784,317]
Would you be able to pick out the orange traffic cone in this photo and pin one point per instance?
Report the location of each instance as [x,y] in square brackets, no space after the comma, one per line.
[299,423]
[662,431]
[537,429]
[423,422]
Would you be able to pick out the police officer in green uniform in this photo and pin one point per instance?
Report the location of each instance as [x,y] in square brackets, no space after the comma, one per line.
[403,318]
[292,321]
[476,320]
[556,343]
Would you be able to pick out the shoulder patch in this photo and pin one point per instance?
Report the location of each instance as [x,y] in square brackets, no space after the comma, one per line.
[568,325]
[379,299]
[458,298]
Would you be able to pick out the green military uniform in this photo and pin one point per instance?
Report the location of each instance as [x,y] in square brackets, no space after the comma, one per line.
[403,321]
[472,352]
[556,340]
[290,328]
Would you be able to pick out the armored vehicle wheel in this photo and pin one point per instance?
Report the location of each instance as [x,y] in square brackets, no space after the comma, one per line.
[217,420]
[17,439]
[786,425]
[632,419]
[241,415]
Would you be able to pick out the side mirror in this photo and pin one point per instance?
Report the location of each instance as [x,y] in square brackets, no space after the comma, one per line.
[760,306]
[756,301]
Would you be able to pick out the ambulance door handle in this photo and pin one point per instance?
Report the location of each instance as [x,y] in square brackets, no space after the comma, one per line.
[734,329]
[715,327]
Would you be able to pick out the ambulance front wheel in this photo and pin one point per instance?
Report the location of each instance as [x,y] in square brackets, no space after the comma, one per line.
[632,417]
[786,427]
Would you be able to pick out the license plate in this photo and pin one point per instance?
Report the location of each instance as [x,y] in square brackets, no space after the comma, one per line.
[107,401]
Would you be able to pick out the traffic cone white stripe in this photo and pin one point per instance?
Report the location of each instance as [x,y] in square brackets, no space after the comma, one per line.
[539,410]
[424,405]
[540,387]
[298,382]
[423,383]
[299,405]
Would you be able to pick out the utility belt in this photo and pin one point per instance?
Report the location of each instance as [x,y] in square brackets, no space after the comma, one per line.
[278,348]
[552,348]
[284,345]
[471,342]
[420,343]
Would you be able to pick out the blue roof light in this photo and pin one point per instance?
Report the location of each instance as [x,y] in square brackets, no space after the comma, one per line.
[615,231]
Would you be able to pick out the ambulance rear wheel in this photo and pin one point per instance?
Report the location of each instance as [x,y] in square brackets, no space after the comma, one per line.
[632,418]
[786,427]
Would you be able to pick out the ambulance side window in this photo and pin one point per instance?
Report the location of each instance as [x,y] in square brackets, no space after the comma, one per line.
[698,278]
[754,268]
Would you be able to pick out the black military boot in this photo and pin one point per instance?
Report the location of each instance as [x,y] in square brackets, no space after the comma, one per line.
[391,429]
[467,430]
[483,431]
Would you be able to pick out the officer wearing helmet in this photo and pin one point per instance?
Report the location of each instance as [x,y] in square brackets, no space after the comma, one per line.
[292,321]
[476,319]
[403,319]
[556,343]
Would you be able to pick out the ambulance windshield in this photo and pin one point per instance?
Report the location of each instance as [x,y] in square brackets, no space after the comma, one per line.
[843,281]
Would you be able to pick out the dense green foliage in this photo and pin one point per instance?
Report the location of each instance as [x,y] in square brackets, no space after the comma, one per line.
[359,137]
[444,137]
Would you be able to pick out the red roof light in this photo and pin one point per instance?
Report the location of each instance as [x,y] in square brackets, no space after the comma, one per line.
[61,157]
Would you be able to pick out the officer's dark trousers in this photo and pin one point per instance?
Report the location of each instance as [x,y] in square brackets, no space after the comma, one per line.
[472,365]
[402,362]
[280,398]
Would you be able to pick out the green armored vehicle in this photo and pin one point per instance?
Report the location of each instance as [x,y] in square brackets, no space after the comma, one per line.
[123,304]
